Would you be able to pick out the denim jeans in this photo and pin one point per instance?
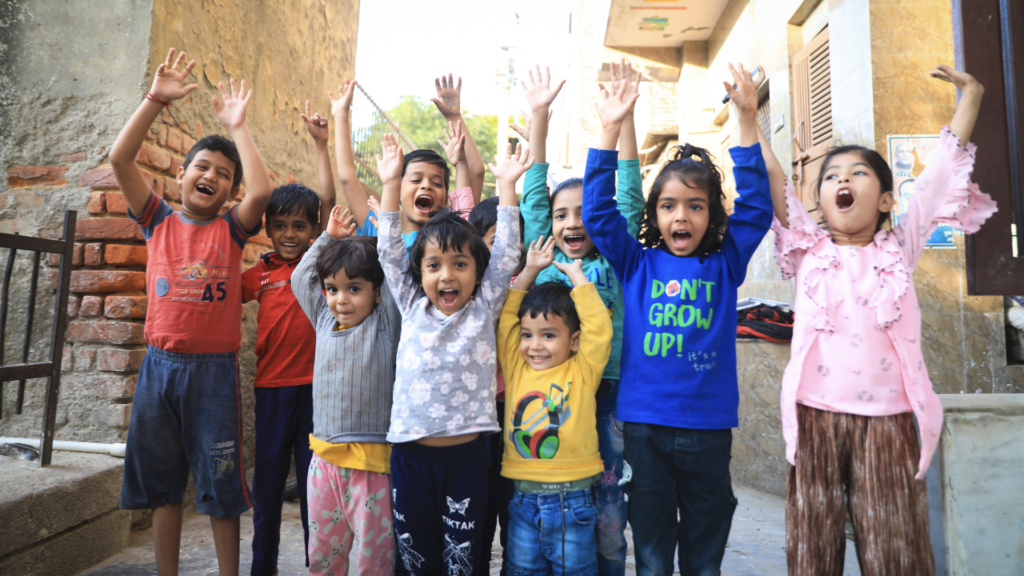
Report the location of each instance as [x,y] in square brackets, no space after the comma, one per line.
[608,495]
[549,531]
[690,469]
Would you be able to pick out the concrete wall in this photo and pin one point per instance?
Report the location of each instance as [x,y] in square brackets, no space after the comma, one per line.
[73,74]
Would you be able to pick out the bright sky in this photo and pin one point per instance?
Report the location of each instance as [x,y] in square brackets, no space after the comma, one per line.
[405,44]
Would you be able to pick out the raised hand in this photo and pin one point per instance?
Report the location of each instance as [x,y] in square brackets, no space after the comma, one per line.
[614,106]
[962,80]
[389,161]
[744,95]
[510,167]
[168,78]
[455,148]
[541,254]
[449,96]
[624,74]
[232,112]
[316,125]
[342,224]
[538,89]
[574,270]
[524,130]
[967,109]
[343,103]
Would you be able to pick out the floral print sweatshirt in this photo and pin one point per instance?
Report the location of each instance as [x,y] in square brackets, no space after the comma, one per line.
[444,376]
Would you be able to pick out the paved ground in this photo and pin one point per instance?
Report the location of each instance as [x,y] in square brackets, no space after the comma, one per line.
[756,545]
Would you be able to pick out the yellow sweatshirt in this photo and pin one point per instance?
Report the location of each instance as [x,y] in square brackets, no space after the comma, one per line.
[550,422]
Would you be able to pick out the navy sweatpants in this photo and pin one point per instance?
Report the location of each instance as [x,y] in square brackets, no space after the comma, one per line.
[440,501]
[284,421]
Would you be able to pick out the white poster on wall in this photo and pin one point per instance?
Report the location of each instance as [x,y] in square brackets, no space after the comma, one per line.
[908,157]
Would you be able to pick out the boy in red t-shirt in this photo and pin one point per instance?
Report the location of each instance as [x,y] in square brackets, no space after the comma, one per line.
[185,413]
[285,348]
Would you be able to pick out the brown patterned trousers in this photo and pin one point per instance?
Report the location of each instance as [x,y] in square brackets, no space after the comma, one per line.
[872,460]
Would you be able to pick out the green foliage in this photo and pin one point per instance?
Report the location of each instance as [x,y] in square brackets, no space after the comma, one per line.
[424,125]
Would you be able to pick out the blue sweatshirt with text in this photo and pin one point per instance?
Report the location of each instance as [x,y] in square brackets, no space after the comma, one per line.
[679,336]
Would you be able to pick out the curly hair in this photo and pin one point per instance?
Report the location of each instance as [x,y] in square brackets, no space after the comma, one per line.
[699,173]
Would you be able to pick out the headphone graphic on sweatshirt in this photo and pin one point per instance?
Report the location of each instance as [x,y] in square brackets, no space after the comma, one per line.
[539,444]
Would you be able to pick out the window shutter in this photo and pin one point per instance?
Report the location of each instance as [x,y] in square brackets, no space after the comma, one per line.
[812,115]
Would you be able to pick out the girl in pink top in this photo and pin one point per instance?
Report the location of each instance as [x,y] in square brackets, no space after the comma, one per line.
[856,376]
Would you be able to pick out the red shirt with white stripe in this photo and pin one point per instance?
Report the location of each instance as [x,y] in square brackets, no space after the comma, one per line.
[285,339]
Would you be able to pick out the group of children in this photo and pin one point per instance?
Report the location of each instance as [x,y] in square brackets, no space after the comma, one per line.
[530,363]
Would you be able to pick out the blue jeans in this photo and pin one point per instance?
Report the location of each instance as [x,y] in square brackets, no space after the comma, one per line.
[690,469]
[547,532]
[284,421]
[609,496]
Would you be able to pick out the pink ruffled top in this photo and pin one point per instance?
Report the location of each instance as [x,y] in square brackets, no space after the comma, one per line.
[857,335]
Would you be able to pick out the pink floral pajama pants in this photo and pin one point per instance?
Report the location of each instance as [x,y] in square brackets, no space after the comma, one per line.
[347,505]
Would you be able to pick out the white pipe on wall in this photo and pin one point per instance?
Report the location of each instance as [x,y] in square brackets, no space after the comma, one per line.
[111,449]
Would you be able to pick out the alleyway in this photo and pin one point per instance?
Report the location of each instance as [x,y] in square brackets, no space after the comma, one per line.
[756,545]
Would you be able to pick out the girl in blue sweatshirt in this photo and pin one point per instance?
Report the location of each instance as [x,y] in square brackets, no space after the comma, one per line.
[678,390]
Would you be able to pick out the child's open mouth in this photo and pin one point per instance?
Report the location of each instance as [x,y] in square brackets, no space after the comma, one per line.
[844,200]
[204,190]
[538,359]
[424,203]
[289,245]
[681,239]
[574,242]
[449,297]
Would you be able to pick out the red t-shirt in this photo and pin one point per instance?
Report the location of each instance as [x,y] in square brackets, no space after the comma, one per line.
[285,339]
[193,279]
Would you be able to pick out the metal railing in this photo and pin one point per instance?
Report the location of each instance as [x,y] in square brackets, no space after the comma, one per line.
[369,125]
[50,370]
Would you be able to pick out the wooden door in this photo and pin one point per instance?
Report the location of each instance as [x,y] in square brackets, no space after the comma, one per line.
[812,117]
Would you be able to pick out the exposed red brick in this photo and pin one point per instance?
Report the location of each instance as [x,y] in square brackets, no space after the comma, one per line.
[107,229]
[172,191]
[85,359]
[76,157]
[99,179]
[187,142]
[116,204]
[252,252]
[106,332]
[116,415]
[93,254]
[22,176]
[199,128]
[273,175]
[290,178]
[76,255]
[92,306]
[73,303]
[126,306]
[107,281]
[96,204]
[154,157]
[119,360]
[122,255]
[158,186]
[174,140]
[102,385]
[165,116]
[66,358]
[262,238]
[161,135]
[175,164]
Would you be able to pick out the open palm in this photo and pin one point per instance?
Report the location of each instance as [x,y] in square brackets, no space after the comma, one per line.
[538,88]
[449,96]
[167,82]
[232,112]
[344,101]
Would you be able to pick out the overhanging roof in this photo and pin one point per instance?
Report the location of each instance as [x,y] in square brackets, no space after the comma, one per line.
[661,23]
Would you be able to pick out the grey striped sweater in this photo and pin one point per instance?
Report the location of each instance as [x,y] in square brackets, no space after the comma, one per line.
[353,375]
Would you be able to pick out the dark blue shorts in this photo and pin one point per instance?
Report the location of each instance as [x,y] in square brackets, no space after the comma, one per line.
[186,416]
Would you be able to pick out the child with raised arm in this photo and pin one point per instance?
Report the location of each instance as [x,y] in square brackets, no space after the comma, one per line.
[185,415]
[449,290]
[425,174]
[553,344]
[679,393]
[340,286]
[285,343]
[856,379]
[560,217]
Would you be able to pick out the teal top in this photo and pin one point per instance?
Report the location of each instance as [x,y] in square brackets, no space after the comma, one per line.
[536,210]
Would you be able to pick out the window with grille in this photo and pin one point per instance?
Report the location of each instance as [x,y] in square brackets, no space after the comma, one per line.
[764,117]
